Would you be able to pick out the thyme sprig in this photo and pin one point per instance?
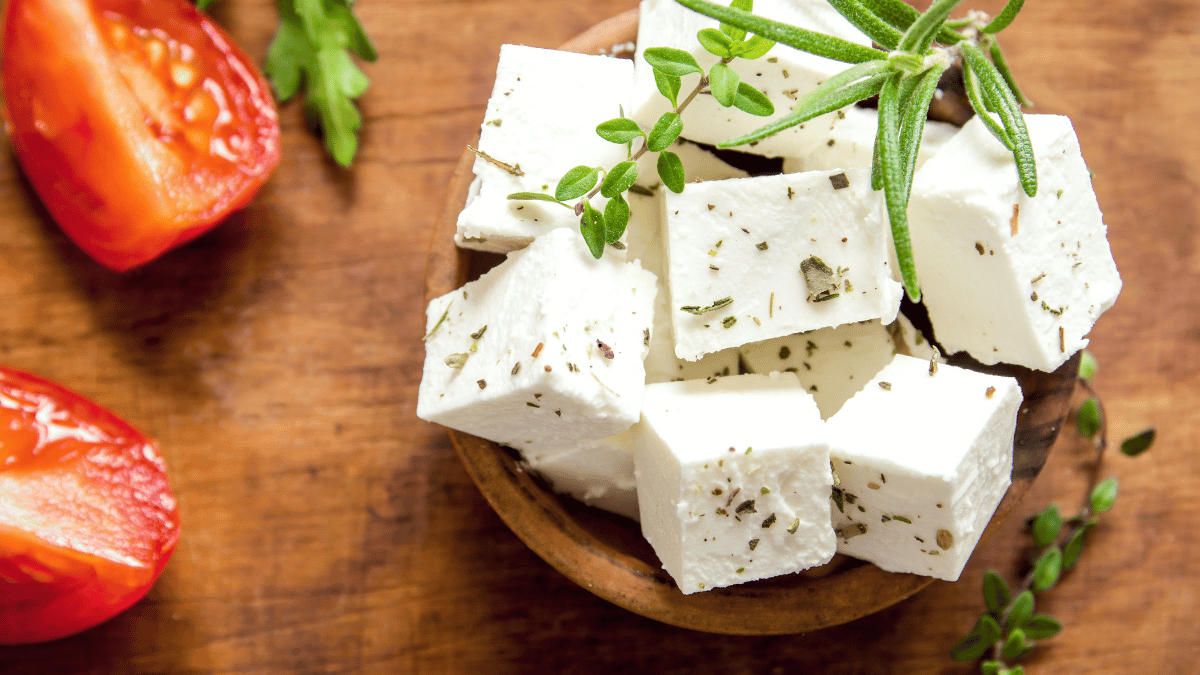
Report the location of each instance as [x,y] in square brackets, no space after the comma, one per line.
[670,66]
[917,49]
[1008,628]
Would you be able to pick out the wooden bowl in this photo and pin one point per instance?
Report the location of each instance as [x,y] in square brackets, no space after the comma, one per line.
[607,555]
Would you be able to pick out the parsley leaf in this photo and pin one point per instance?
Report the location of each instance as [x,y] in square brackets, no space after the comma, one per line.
[311,47]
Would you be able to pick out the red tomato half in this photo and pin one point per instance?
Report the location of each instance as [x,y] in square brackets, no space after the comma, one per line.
[139,123]
[87,519]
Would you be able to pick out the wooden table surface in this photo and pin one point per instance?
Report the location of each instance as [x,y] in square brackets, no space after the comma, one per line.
[327,530]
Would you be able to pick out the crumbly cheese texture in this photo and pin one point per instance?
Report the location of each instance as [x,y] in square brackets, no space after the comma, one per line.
[850,143]
[1007,277]
[597,472]
[784,74]
[733,479]
[832,363]
[745,258]
[921,463]
[543,351]
[543,101]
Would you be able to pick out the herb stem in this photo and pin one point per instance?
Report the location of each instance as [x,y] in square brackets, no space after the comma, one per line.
[642,150]
[1079,521]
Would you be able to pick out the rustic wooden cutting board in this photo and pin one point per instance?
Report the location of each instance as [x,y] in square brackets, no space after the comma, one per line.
[327,530]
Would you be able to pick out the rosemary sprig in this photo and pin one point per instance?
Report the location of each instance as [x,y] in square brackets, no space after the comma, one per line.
[1008,628]
[920,47]
[670,67]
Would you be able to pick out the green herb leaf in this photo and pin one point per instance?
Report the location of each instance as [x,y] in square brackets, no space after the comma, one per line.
[753,48]
[665,131]
[990,668]
[734,32]
[576,182]
[922,31]
[1006,72]
[724,83]
[1004,18]
[1041,627]
[1087,366]
[619,130]
[1104,496]
[537,197]
[981,107]
[592,228]
[832,95]
[1139,443]
[1010,113]
[1087,420]
[616,218]
[797,38]
[203,4]
[310,47]
[895,196]
[1020,610]
[618,180]
[995,591]
[1047,526]
[1074,547]
[901,15]
[1047,569]
[753,101]
[715,42]
[912,122]
[871,25]
[672,61]
[974,644]
[668,86]
[670,170]
[1015,644]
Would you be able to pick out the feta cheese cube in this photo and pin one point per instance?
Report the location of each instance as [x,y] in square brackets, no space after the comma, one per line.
[543,351]
[850,143]
[733,479]
[598,473]
[543,101]
[921,462]
[645,243]
[1006,277]
[832,363]
[756,258]
[784,74]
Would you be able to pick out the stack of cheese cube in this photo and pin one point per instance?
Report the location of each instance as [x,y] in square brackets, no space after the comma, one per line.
[734,372]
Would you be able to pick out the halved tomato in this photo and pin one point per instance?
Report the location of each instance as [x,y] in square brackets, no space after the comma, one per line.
[139,122]
[87,518]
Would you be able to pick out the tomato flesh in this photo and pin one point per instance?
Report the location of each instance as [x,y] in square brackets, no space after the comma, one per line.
[87,517]
[139,123]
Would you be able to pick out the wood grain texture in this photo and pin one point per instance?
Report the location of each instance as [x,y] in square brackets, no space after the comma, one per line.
[327,530]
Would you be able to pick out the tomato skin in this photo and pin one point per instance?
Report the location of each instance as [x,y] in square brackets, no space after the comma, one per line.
[87,517]
[102,129]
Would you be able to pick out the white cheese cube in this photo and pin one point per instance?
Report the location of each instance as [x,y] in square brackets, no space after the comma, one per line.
[1006,277]
[850,143]
[733,479]
[912,342]
[543,101]
[598,473]
[698,165]
[756,258]
[921,462]
[543,351]
[832,363]
[645,243]
[784,74]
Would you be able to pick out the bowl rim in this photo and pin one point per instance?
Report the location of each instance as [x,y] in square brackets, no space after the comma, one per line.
[793,603]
